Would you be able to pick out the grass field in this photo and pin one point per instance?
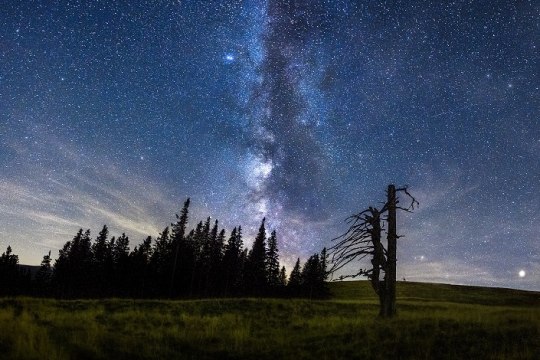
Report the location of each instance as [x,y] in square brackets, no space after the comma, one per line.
[433,322]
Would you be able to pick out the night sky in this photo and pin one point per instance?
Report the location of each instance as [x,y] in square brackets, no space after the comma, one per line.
[301,111]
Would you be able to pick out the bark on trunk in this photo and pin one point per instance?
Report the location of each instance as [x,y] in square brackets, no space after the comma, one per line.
[390,278]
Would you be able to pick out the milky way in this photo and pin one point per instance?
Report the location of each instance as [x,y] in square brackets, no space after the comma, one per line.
[286,155]
[300,111]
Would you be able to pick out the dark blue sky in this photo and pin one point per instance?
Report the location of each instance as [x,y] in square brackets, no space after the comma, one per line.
[300,111]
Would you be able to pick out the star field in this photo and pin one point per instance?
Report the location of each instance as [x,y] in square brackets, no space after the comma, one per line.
[300,111]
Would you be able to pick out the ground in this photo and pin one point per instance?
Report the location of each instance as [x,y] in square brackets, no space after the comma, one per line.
[433,322]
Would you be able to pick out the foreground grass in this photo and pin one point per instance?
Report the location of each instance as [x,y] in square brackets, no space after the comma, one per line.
[434,322]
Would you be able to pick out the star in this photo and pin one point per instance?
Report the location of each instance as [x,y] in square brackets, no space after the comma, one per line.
[319,109]
[229,58]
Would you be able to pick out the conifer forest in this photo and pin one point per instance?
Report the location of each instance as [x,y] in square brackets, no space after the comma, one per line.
[180,263]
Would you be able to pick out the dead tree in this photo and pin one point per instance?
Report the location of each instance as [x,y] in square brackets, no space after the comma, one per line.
[363,239]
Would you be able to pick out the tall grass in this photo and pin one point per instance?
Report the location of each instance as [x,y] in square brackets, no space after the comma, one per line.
[428,326]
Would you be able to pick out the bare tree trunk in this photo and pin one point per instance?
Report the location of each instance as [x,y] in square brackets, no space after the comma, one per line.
[378,261]
[390,278]
[364,238]
[378,256]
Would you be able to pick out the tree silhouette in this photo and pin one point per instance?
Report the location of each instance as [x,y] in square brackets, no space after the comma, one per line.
[363,239]
[102,262]
[272,263]
[9,272]
[283,277]
[44,276]
[72,269]
[182,253]
[256,276]
[174,265]
[233,263]
[295,280]
[139,264]
[120,258]
[313,277]
[160,265]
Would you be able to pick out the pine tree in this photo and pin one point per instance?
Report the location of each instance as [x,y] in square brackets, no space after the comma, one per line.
[139,268]
[100,247]
[160,264]
[44,276]
[295,280]
[73,268]
[61,271]
[206,260]
[283,277]
[314,276]
[215,263]
[120,250]
[101,252]
[256,276]
[218,248]
[120,257]
[206,229]
[182,254]
[243,287]
[82,262]
[232,265]
[272,263]
[198,240]
[9,273]
[179,229]
[208,245]
[310,276]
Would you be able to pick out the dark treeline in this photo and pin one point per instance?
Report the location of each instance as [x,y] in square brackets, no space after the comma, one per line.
[204,262]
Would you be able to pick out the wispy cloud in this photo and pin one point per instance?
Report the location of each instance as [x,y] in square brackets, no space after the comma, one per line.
[42,209]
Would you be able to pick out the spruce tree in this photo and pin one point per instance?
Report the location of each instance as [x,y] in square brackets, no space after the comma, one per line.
[283,277]
[73,268]
[160,264]
[182,255]
[9,272]
[206,260]
[310,276]
[218,248]
[295,280]
[179,228]
[256,276]
[272,262]
[139,268]
[120,256]
[100,247]
[101,252]
[198,240]
[44,276]
[232,265]
[209,244]
[61,271]
[216,258]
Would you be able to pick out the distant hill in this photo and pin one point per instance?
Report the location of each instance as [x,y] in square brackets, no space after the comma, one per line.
[361,290]
[430,292]
[32,268]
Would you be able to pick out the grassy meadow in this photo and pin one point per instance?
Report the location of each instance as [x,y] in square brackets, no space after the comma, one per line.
[433,322]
